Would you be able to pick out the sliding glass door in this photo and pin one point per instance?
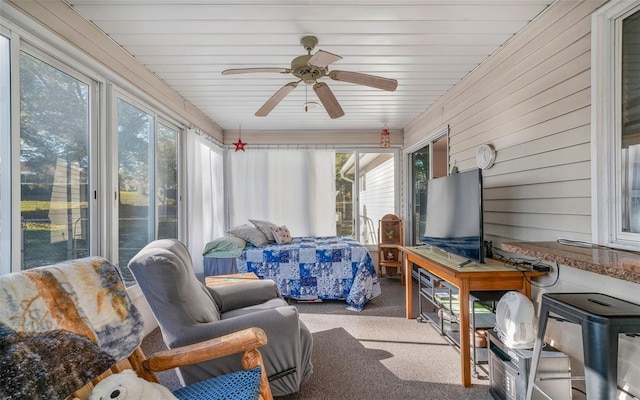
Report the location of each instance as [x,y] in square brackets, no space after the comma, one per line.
[86,168]
[420,173]
[5,155]
[135,161]
[365,192]
[427,162]
[147,181]
[54,163]
[167,182]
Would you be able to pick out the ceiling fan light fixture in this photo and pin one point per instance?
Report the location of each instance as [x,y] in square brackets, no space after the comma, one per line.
[309,77]
[311,105]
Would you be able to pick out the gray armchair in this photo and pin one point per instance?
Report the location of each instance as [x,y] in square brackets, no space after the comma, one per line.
[189,312]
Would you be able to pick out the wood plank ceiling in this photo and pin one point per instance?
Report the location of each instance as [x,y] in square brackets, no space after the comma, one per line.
[427,45]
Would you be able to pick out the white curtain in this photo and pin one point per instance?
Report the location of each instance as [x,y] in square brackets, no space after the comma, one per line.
[205,199]
[289,187]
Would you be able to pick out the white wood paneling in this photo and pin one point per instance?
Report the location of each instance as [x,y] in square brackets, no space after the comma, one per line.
[559,206]
[509,233]
[559,189]
[348,11]
[427,45]
[531,100]
[379,196]
[527,99]
[566,97]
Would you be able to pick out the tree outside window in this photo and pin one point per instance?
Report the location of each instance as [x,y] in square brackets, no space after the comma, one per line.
[54,164]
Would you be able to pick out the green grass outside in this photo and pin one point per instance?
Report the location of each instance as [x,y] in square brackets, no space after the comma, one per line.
[37,230]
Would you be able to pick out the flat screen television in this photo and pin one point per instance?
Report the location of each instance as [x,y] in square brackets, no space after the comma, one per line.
[454,215]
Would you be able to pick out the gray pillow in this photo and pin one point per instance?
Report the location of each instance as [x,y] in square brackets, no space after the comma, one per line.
[250,234]
[265,227]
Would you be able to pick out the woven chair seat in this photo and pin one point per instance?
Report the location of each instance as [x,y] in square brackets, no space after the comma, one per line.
[241,385]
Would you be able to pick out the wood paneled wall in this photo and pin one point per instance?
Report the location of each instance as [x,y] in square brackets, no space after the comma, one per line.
[531,100]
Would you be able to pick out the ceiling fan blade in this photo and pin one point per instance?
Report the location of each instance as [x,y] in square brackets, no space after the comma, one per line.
[323,58]
[328,100]
[276,99]
[373,81]
[252,70]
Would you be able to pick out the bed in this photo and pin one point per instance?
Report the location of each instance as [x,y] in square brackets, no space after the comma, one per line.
[309,268]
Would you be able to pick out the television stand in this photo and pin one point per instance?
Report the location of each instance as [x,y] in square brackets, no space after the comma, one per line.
[490,276]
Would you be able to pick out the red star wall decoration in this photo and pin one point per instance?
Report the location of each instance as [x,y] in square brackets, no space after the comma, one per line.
[239,144]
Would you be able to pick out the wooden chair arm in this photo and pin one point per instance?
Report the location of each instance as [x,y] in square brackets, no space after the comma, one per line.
[246,342]
[233,343]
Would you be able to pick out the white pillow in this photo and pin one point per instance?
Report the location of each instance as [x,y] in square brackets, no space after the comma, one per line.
[282,235]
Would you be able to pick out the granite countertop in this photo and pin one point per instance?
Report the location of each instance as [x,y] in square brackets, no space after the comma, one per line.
[618,264]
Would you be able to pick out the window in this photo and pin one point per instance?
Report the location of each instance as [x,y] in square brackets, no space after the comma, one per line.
[54,164]
[5,148]
[429,160]
[59,157]
[630,124]
[376,193]
[616,128]
[345,186]
[147,181]
[167,182]
[135,132]
[420,174]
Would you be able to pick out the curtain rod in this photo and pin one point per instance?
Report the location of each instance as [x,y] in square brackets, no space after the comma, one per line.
[208,137]
[308,147]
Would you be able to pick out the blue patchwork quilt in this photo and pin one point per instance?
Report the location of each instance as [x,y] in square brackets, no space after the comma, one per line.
[316,268]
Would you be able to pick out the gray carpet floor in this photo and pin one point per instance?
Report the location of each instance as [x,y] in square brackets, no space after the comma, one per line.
[373,354]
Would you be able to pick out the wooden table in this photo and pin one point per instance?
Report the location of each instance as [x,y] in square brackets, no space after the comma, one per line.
[231,279]
[492,275]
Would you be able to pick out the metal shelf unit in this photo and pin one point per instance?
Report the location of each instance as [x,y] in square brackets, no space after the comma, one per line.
[438,305]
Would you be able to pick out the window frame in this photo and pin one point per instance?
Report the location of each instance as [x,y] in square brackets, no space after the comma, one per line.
[23,35]
[180,182]
[115,94]
[361,187]
[408,176]
[5,153]
[606,86]
[94,100]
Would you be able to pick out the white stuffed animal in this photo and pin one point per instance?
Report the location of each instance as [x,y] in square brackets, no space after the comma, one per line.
[126,385]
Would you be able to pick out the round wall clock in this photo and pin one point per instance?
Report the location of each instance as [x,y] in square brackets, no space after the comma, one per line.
[485,156]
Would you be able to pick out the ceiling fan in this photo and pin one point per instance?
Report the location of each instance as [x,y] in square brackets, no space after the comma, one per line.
[308,69]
